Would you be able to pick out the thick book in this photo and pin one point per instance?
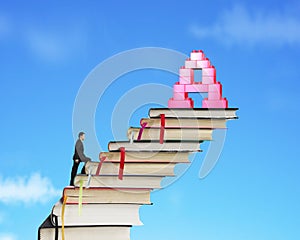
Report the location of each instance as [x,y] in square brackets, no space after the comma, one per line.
[98,214]
[107,195]
[223,113]
[147,157]
[179,146]
[114,182]
[184,123]
[179,134]
[48,231]
[144,169]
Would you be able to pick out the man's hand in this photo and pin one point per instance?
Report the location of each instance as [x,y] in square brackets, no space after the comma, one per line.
[77,160]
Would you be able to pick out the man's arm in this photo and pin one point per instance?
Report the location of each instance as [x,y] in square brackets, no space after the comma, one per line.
[79,149]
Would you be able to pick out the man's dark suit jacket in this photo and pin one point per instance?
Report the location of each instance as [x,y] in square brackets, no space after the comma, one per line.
[79,152]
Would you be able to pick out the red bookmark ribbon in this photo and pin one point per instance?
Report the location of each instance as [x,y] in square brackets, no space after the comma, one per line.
[162,128]
[122,162]
[102,159]
[141,131]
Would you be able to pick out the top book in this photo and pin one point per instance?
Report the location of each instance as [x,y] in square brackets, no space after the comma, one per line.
[222,113]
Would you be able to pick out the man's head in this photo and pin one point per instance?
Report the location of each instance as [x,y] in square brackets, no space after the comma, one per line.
[81,136]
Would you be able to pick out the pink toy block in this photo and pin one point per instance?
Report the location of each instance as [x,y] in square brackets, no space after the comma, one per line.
[209,79]
[215,88]
[196,88]
[222,103]
[179,87]
[186,79]
[203,63]
[188,103]
[211,71]
[190,63]
[187,72]
[197,55]
[180,96]
[214,96]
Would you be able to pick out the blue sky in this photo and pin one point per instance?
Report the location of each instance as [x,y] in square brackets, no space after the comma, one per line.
[47,50]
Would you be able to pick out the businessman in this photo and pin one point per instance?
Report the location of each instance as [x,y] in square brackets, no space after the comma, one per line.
[78,157]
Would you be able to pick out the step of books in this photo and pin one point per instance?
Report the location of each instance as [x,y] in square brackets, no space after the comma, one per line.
[47,231]
[140,181]
[103,214]
[97,195]
[183,123]
[194,113]
[155,145]
[132,168]
[147,157]
[171,134]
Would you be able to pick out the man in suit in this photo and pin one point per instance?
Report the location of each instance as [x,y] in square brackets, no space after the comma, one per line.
[78,157]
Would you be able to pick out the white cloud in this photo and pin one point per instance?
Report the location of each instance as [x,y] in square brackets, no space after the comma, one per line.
[5,26]
[54,46]
[7,236]
[29,190]
[46,45]
[244,27]
[51,43]
[3,216]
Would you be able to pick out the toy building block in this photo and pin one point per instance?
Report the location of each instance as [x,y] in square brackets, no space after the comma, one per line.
[208,79]
[222,103]
[187,72]
[179,87]
[197,55]
[215,88]
[187,103]
[180,95]
[203,63]
[190,63]
[215,91]
[197,87]
[186,79]
[214,96]
[211,71]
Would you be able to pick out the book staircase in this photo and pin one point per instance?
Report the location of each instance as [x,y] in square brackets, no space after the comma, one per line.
[104,204]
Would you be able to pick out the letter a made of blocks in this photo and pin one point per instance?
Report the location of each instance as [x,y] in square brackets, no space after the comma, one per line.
[186,84]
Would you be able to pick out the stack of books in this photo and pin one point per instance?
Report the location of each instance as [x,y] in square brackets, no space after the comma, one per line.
[105,203]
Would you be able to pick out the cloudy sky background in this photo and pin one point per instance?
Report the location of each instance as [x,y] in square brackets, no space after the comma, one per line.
[47,50]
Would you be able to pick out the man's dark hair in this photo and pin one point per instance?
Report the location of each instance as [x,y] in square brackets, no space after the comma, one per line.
[80,134]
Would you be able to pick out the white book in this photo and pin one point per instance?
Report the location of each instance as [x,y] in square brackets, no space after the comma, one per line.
[179,134]
[107,195]
[48,231]
[185,122]
[185,146]
[147,157]
[130,168]
[98,214]
[227,113]
[114,182]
